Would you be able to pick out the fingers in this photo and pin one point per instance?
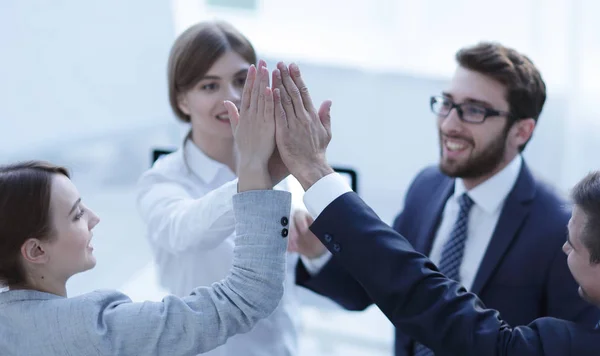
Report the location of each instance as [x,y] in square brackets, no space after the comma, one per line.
[264,64]
[256,88]
[281,123]
[269,110]
[285,100]
[234,115]
[246,93]
[276,79]
[291,89]
[302,220]
[325,115]
[263,78]
[302,88]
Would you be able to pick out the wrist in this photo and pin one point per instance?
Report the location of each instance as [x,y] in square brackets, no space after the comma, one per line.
[253,177]
[312,173]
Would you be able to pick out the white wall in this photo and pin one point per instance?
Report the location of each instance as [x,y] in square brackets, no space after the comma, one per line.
[71,69]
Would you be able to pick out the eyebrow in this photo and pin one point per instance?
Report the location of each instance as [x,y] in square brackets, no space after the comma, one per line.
[74,206]
[216,77]
[471,100]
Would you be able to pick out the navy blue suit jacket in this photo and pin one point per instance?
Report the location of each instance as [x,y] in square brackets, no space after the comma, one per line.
[432,309]
[523,274]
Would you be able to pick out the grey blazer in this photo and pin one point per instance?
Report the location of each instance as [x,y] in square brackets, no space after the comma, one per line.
[34,323]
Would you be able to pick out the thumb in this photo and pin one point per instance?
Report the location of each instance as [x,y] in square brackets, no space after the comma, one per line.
[325,115]
[309,220]
[234,115]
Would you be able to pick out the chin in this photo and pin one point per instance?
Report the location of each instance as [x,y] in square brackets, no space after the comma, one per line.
[587,297]
[451,169]
[91,263]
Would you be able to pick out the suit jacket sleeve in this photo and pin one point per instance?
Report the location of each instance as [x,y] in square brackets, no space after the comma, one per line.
[210,315]
[335,283]
[426,305]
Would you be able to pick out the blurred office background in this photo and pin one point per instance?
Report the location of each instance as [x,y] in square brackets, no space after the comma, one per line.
[83,83]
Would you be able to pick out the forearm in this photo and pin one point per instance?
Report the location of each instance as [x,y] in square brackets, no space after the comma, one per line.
[335,283]
[404,284]
[210,315]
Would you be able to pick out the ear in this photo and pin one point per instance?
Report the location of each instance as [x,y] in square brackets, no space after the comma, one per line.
[521,131]
[182,103]
[33,251]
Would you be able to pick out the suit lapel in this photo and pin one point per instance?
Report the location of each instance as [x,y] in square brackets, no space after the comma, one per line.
[515,210]
[433,215]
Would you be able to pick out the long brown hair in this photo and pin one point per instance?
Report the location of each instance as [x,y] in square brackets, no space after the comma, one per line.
[24,212]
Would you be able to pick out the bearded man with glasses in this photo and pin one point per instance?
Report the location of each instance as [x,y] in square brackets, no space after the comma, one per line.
[480,214]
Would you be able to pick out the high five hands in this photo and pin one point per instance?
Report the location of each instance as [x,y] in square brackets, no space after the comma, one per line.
[279,130]
[282,121]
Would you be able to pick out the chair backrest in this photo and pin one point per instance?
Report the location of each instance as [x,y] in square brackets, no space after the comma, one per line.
[348,173]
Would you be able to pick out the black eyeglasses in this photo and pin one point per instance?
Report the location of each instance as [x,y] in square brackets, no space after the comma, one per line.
[468,112]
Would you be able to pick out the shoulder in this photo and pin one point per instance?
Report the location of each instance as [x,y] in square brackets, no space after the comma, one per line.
[551,202]
[170,168]
[428,178]
[99,299]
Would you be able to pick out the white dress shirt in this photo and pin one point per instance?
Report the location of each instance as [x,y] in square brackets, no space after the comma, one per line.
[185,200]
[488,198]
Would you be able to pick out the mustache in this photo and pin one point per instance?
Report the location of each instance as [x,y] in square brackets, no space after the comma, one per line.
[456,137]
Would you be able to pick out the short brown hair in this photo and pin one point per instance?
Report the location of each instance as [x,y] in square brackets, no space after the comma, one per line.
[196,50]
[586,196]
[525,88]
[24,212]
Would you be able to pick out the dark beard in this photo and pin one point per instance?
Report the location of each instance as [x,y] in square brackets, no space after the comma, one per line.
[480,165]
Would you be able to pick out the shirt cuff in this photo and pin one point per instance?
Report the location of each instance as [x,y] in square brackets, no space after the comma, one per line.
[315,265]
[324,192]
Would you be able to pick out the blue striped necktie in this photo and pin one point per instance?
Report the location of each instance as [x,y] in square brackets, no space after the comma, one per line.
[452,254]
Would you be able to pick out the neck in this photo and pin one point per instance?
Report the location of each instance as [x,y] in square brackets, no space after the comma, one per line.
[218,148]
[473,182]
[43,284]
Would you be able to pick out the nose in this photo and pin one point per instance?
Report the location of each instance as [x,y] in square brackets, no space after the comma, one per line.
[450,123]
[566,248]
[93,220]
[234,94]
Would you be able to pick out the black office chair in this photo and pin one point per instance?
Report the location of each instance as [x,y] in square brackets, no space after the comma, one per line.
[349,173]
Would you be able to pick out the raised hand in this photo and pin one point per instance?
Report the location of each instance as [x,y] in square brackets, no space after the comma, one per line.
[254,130]
[302,132]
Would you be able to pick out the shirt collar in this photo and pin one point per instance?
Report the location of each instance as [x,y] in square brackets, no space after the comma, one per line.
[199,163]
[18,295]
[490,194]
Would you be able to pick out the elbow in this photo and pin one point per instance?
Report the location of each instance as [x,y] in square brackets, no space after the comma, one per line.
[270,302]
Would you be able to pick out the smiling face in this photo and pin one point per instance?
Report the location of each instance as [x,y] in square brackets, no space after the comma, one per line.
[203,103]
[470,150]
[70,250]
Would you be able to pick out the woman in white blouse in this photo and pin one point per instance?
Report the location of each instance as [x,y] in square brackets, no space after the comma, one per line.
[186,197]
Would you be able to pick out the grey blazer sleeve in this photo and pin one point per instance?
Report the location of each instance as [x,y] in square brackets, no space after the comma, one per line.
[209,316]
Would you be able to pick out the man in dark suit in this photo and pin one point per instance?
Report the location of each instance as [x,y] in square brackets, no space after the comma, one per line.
[406,285]
[480,215]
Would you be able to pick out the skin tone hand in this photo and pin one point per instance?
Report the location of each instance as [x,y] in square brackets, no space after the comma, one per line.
[254,130]
[301,239]
[277,168]
[302,133]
